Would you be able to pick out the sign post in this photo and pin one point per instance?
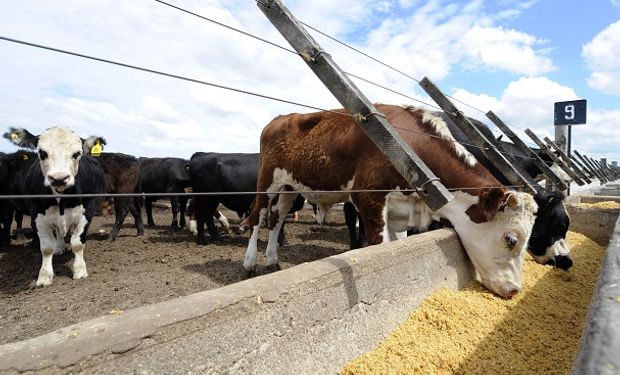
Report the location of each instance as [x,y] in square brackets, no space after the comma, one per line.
[566,114]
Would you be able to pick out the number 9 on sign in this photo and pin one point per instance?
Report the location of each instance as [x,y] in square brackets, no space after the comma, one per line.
[570,113]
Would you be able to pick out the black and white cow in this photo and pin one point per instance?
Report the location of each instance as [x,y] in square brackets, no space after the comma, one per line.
[228,173]
[122,176]
[165,175]
[547,243]
[61,170]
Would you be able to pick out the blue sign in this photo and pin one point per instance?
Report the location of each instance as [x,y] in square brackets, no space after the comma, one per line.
[570,113]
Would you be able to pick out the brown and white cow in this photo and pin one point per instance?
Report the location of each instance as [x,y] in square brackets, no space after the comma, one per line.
[327,151]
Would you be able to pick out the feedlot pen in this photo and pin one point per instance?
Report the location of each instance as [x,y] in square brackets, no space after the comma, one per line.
[311,318]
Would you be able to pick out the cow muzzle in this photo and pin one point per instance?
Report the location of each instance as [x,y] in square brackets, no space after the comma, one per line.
[563,262]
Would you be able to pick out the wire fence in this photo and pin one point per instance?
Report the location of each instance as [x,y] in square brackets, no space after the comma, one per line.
[248,92]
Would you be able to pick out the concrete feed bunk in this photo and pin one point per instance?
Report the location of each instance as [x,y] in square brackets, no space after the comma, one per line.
[312,318]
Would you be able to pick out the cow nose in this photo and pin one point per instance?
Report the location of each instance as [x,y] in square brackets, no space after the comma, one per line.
[563,261]
[58,180]
[511,293]
[550,262]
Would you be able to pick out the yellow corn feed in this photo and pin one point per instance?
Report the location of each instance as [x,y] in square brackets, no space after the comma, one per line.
[472,331]
[605,204]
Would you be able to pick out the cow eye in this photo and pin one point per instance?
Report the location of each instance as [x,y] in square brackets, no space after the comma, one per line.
[77,155]
[42,155]
[511,240]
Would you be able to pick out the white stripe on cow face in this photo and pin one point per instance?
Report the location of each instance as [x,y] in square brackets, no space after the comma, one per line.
[59,152]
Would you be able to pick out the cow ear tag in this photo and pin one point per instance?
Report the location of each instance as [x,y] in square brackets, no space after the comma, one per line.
[24,157]
[96,149]
[14,136]
[551,199]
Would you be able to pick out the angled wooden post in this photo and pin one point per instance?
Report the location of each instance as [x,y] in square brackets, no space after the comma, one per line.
[378,129]
[567,160]
[527,151]
[592,167]
[583,167]
[476,137]
[559,162]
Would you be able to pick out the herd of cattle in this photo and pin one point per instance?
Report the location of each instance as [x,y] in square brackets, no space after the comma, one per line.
[322,157]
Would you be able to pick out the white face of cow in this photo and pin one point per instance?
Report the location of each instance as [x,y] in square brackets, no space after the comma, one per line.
[497,247]
[59,151]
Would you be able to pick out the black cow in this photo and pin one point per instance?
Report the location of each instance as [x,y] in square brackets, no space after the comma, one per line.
[547,243]
[122,176]
[61,170]
[13,168]
[165,175]
[227,173]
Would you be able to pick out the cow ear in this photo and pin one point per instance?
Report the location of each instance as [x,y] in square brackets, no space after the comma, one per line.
[511,200]
[93,145]
[490,202]
[22,138]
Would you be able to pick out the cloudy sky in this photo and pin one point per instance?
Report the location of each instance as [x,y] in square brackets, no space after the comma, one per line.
[513,57]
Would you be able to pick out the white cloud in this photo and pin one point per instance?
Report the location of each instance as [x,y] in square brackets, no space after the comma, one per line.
[528,103]
[509,50]
[601,56]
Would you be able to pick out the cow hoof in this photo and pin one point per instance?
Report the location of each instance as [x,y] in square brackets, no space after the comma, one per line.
[201,242]
[140,233]
[250,273]
[45,279]
[150,224]
[273,267]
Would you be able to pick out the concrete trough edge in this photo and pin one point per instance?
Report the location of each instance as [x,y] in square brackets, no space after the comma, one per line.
[311,318]
[599,347]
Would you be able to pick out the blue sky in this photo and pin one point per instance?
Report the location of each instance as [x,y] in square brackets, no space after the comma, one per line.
[513,57]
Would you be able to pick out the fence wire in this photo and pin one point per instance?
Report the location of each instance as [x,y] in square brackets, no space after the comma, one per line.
[247,92]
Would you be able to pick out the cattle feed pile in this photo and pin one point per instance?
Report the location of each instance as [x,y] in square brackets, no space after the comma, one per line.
[605,204]
[472,331]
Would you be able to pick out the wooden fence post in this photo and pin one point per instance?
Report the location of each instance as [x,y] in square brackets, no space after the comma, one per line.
[528,151]
[476,137]
[598,175]
[559,162]
[378,129]
[567,160]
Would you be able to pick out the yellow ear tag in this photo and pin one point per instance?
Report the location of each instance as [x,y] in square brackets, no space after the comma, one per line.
[14,136]
[96,150]
[24,157]
[551,199]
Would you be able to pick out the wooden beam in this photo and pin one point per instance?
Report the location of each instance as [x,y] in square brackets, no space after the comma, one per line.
[476,137]
[527,151]
[378,129]
[567,160]
[553,157]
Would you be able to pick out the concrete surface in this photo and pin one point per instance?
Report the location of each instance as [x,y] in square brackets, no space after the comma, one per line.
[308,319]
[599,349]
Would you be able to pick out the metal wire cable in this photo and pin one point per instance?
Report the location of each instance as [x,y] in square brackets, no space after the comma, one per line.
[169,75]
[332,38]
[227,27]
[228,193]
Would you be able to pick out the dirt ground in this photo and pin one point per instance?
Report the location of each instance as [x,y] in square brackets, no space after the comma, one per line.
[135,271]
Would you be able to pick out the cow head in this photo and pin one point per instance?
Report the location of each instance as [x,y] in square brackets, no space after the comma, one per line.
[494,227]
[59,151]
[548,244]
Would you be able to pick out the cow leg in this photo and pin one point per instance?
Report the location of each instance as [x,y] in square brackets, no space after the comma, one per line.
[47,242]
[255,220]
[223,220]
[5,235]
[208,217]
[19,230]
[370,206]
[350,218]
[134,209]
[148,207]
[174,202]
[77,245]
[200,227]
[121,208]
[182,208]
[276,222]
